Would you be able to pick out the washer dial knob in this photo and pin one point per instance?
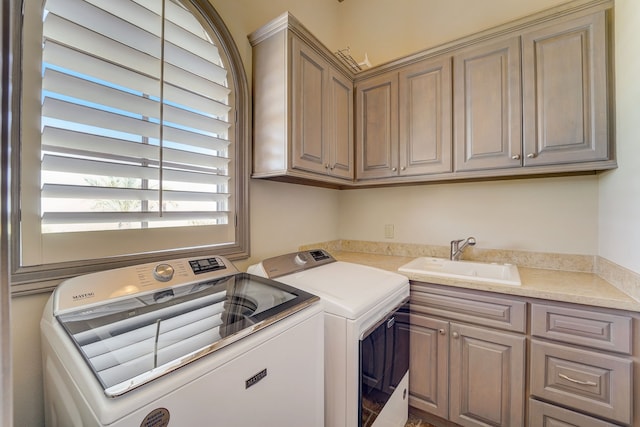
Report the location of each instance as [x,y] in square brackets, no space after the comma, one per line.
[300,259]
[163,272]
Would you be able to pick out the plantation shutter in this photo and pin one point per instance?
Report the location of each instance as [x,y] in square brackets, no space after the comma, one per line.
[135,118]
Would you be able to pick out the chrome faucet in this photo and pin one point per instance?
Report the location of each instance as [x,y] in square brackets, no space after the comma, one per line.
[458,246]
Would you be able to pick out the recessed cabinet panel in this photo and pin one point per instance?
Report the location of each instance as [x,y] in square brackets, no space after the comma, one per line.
[486,377]
[488,106]
[469,306]
[425,117]
[429,365]
[341,133]
[565,92]
[594,329]
[377,129]
[309,78]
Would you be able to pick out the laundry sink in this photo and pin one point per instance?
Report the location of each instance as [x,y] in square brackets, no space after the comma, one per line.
[506,274]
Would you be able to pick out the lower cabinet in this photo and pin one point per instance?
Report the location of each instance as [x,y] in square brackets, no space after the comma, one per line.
[581,359]
[487,359]
[471,375]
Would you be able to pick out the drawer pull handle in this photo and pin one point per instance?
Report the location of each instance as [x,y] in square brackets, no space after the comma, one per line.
[590,383]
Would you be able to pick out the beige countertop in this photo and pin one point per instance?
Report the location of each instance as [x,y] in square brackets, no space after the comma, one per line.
[573,287]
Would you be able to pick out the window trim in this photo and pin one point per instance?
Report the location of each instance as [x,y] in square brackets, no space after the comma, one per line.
[30,279]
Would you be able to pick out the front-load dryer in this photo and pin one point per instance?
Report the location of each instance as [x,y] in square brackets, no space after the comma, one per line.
[366,335]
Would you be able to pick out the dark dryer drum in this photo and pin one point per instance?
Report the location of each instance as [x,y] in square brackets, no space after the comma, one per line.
[384,361]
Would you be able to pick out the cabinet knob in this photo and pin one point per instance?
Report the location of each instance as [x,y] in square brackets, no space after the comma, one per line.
[532,156]
[442,331]
[516,157]
[326,166]
[404,168]
[394,169]
[455,335]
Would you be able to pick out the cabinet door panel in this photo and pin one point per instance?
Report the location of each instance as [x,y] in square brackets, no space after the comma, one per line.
[425,117]
[565,92]
[341,125]
[377,138]
[309,78]
[486,377]
[429,365]
[488,106]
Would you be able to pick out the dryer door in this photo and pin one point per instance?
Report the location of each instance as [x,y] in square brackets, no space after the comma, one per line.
[384,361]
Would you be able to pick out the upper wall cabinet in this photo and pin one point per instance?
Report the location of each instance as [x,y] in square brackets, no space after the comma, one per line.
[377,127]
[404,121]
[565,92]
[530,97]
[302,107]
[488,106]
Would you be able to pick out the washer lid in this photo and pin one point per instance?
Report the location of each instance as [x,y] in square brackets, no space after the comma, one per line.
[129,342]
[348,290]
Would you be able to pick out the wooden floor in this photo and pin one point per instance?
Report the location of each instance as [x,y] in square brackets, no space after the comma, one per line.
[415,421]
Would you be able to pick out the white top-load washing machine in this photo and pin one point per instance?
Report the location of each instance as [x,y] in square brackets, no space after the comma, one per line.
[366,335]
[187,342]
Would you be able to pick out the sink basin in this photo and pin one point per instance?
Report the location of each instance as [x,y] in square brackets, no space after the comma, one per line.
[506,274]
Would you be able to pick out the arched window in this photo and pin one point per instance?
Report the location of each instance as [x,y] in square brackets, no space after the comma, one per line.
[133,134]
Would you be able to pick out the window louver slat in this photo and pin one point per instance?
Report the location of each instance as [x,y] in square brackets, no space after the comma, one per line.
[182,78]
[195,101]
[127,217]
[61,140]
[195,139]
[92,192]
[190,119]
[183,58]
[96,167]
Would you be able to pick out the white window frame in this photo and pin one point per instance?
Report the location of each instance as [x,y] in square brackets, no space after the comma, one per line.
[27,277]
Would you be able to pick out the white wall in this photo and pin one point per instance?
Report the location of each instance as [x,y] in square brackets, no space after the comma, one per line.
[286,216]
[387,29]
[619,215]
[544,215]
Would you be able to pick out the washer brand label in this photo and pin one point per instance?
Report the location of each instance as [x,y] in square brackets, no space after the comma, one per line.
[83,296]
[254,379]
[156,418]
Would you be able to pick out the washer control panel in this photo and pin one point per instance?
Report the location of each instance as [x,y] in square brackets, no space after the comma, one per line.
[97,288]
[295,261]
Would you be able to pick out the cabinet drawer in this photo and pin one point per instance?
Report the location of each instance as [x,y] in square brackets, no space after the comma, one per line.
[544,415]
[469,306]
[596,383]
[604,331]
